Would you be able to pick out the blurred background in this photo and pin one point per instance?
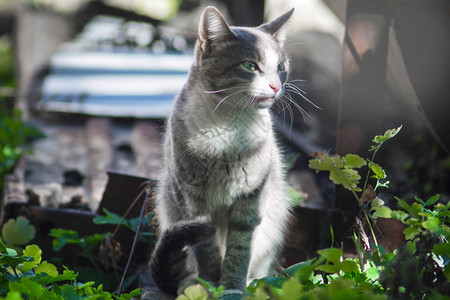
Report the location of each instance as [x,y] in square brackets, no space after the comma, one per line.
[97,78]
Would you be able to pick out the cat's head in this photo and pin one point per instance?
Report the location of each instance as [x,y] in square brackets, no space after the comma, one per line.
[241,65]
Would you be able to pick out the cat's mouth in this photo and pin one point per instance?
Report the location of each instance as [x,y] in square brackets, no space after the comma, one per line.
[264,102]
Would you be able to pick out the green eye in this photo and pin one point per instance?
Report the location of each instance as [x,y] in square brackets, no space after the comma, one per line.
[281,66]
[250,65]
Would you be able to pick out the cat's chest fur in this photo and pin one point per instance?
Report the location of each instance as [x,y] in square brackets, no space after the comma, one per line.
[231,156]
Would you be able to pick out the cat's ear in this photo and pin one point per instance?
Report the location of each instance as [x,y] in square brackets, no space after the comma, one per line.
[212,28]
[273,27]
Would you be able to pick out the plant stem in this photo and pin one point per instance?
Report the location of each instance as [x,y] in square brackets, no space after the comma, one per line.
[127,212]
[369,169]
[144,205]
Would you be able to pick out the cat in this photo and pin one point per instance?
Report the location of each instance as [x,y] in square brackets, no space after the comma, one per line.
[221,199]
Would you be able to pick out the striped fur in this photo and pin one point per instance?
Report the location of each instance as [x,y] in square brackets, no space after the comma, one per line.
[221,202]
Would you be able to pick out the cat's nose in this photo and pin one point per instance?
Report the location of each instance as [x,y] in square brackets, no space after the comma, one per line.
[275,87]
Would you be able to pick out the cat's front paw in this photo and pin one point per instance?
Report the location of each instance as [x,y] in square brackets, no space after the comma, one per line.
[231,294]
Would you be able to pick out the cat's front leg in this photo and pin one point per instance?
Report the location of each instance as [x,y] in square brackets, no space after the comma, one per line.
[242,220]
[208,260]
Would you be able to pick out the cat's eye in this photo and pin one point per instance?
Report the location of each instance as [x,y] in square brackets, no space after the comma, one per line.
[250,65]
[281,66]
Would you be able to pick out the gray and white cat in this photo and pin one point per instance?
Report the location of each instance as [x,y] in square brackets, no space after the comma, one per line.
[221,203]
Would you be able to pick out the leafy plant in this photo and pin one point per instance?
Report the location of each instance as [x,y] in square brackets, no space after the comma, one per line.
[28,277]
[131,223]
[418,270]
[17,233]
[15,136]
[102,251]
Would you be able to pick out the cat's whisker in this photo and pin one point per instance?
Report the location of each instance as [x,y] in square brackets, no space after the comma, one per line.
[302,94]
[296,80]
[305,115]
[214,92]
[287,107]
[221,101]
[294,44]
[242,105]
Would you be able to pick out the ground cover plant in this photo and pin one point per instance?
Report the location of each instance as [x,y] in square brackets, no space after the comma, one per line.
[23,274]
[418,270]
[15,138]
[26,276]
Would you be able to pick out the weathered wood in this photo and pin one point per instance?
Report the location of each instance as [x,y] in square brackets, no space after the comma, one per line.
[38,36]
[98,143]
[61,151]
[13,189]
[146,143]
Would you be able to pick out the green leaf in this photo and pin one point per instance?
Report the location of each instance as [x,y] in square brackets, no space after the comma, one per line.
[16,286]
[196,292]
[17,232]
[331,254]
[379,172]
[292,269]
[302,271]
[349,266]
[64,237]
[14,261]
[94,239]
[432,200]
[47,268]
[31,251]
[3,247]
[402,203]
[354,161]
[292,289]
[295,197]
[411,232]
[442,249]
[34,288]
[382,212]
[431,224]
[133,294]
[13,295]
[289,161]
[328,268]
[411,246]
[416,208]
[372,273]
[67,275]
[69,291]
[399,215]
[11,252]
[348,178]
[377,202]
[109,218]
[390,133]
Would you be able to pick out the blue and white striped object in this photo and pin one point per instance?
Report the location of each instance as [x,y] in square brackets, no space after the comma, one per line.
[114,83]
[99,73]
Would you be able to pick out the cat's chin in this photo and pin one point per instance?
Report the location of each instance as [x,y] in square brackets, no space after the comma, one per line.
[265,102]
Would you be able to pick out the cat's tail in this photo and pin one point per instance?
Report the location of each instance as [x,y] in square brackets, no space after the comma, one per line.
[168,261]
